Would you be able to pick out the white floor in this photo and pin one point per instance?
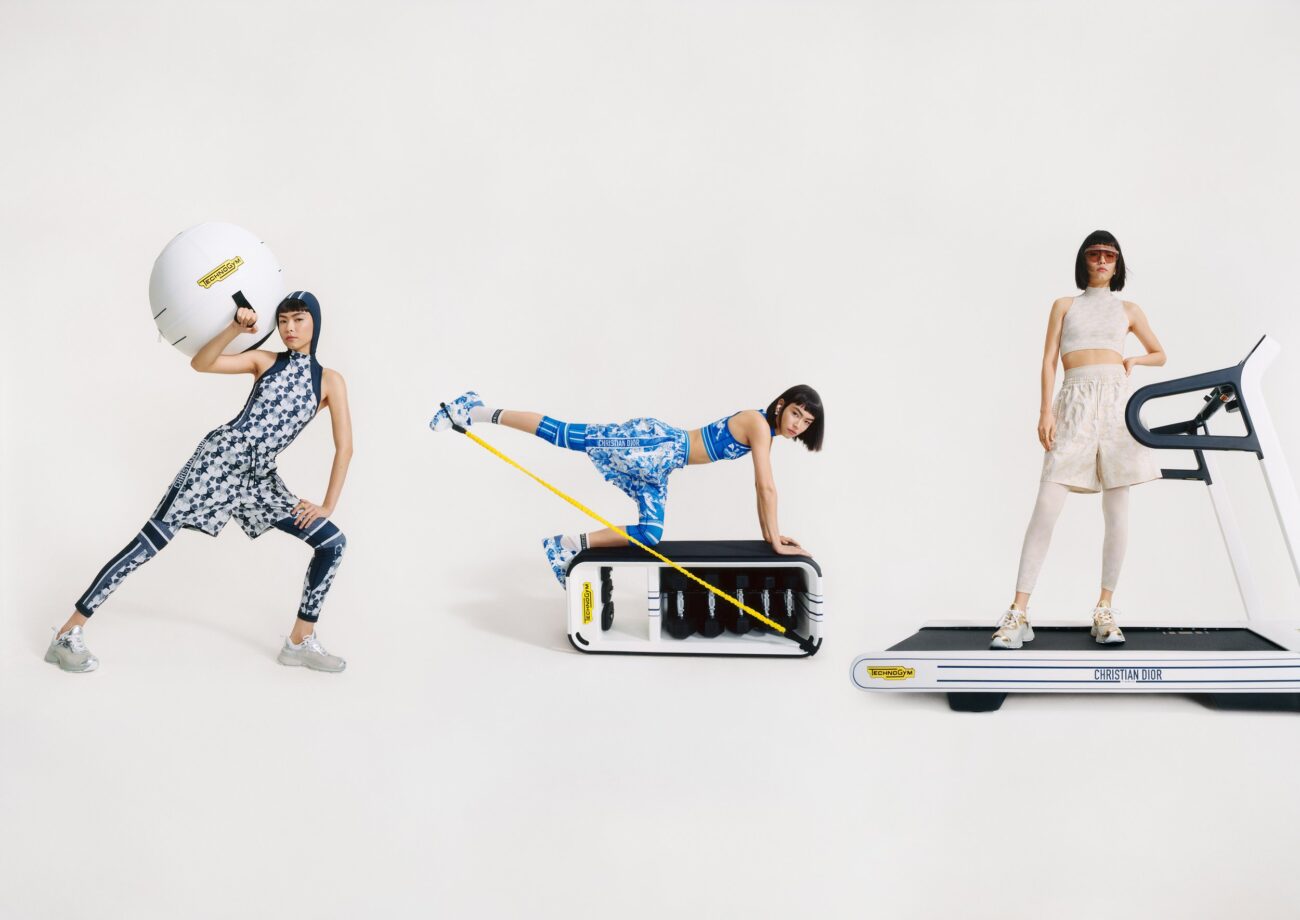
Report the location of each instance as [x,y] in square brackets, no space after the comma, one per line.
[473,765]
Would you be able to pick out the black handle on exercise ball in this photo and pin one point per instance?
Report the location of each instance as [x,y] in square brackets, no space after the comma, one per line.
[1182,435]
[242,301]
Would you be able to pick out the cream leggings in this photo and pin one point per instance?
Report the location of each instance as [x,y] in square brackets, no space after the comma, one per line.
[1051,499]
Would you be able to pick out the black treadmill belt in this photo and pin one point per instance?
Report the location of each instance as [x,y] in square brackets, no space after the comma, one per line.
[1077,639]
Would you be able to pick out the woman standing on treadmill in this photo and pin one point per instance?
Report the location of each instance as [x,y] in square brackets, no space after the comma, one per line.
[1087,445]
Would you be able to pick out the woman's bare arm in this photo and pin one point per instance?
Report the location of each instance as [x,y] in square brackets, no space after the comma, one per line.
[755,428]
[1047,379]
[1052,351]
[1140,327]
[334,398]
[210,360]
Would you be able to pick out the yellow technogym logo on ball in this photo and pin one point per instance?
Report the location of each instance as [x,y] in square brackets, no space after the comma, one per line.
[588,602]
[893,672]
[221,272]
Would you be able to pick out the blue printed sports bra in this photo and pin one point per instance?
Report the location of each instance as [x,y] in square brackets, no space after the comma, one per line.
[720,443]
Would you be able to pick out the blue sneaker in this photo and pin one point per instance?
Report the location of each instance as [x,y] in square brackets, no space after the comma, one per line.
[459,407]
[559,556]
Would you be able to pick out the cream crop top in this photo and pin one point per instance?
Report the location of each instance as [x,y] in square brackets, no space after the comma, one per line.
[1096,319]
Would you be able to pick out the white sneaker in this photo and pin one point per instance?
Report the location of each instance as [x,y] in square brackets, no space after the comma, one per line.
[455,413]
[1104,628]
[310,654]
[69,652]
[559,556]
[1013,630]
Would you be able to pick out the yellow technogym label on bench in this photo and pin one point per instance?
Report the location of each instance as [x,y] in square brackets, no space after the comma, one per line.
[221,272]
[588,602]
[892,672]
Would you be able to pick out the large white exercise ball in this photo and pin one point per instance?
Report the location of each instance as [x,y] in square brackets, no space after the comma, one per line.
[203,275]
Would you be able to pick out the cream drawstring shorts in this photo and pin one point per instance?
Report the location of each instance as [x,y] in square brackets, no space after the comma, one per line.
[1093,449]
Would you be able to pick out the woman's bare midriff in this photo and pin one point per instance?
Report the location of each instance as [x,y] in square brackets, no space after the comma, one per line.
[1086,356]
[697,452]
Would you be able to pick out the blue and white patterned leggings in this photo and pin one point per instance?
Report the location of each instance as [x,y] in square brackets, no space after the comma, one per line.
[327,541]
[637,456]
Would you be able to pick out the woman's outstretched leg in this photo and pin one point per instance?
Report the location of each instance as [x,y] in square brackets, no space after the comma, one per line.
[468,409]
[552,431]
[149,542]
[569,435]
[527,422]
[67,649]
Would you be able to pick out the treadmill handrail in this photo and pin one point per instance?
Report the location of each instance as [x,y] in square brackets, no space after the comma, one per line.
[1229,377]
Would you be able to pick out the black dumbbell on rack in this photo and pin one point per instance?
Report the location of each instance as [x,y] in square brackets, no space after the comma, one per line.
[735,619]
[606,597]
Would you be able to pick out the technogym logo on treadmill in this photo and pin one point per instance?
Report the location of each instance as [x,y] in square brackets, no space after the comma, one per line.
[893,672]
[221,272]
[588,602]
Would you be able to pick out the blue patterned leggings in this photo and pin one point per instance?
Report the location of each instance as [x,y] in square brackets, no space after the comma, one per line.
[637,456]
[326,541]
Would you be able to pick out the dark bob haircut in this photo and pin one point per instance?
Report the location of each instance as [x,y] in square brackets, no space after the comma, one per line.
[297,302]
[1099,238]
[805,396]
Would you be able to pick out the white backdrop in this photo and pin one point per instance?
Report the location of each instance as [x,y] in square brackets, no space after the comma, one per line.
[604,210]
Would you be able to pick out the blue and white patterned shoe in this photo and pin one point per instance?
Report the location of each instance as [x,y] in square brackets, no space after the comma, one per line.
[559,556]
[459,407]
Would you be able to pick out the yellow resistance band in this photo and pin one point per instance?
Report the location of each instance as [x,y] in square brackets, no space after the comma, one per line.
[771,624]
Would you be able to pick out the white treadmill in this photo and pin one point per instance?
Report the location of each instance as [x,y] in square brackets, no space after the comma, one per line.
[1254,663]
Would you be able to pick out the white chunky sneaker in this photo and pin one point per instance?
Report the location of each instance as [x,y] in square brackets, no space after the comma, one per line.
[459,407]
[559,556]
[69,652]
[1104,628]
[1013,630]
[310,654]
